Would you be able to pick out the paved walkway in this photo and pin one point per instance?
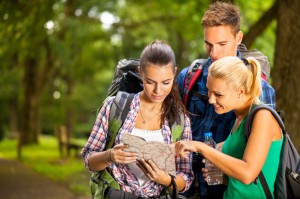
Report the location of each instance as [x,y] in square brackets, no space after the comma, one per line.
[19,182]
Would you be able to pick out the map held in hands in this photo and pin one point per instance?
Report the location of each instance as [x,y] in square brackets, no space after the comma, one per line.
[163,155]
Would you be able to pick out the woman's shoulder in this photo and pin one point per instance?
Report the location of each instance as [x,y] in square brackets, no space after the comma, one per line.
[264,121]
[120,102]
[108,100]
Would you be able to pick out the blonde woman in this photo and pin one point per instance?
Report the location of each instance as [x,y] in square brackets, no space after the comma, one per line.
[235,84]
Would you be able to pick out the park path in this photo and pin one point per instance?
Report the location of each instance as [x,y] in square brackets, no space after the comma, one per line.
[20,182]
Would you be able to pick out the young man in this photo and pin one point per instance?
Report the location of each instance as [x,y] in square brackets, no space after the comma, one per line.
[222,35]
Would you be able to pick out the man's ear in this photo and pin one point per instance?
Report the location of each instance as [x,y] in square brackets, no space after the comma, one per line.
[139,70]
[175,70]
[239,37]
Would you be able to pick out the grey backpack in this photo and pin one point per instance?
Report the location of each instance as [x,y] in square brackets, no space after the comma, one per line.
[260,57]
[287,184]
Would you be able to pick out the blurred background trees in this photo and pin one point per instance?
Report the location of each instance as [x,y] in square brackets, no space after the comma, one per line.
[58,56]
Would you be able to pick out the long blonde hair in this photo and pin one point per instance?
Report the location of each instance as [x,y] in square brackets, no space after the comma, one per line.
[237,73]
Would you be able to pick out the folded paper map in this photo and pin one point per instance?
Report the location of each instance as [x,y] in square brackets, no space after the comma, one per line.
[163,155]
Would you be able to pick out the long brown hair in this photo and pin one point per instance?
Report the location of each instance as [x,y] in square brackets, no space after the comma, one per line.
[161,54]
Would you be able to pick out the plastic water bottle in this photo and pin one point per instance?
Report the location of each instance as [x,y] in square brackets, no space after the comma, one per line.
[214,174]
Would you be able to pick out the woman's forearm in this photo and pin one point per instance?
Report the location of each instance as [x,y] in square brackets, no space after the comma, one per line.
[180,182]
[100,160]
[236,168]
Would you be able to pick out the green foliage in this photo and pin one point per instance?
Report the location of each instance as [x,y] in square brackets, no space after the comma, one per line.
[8,148]
[251,11]
[266,41]
[75,54]
[177,23]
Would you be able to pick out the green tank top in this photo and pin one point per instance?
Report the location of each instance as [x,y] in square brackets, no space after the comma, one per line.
[234,146]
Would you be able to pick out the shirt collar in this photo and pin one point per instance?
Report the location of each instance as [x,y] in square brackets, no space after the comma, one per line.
[238,54]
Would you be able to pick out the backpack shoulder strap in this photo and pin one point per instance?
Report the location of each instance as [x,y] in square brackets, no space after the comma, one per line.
[118,112]
[191,77]
[247,131]
[249,120]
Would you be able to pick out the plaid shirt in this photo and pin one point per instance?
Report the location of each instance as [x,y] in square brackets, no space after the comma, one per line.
[205,119]
[121,172]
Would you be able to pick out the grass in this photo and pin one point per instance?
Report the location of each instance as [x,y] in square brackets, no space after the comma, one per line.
[45,159]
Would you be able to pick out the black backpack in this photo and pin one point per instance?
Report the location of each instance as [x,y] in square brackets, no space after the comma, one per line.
[287,184]
[126,77]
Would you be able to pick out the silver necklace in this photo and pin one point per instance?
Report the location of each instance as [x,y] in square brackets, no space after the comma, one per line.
[143,120]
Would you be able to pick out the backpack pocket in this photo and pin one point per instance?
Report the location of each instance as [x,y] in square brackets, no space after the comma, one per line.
[100,181]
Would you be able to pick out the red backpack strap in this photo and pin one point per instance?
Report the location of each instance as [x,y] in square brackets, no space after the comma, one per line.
[264,77]
[191,77]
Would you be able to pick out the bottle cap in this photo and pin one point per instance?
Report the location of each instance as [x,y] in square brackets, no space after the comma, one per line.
[208,134]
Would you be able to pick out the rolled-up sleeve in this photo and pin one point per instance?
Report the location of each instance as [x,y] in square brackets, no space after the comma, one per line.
[184,165]
[97,139]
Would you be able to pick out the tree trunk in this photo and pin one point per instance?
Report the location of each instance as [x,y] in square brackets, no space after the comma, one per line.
[13,118]
[287,66]
[69,108]
[69,12]
[31,106]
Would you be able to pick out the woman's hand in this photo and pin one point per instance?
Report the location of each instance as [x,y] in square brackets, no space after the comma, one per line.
[118,155]
[205,174]
[153,172]
[183,148]
[204,171]
[220,146]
